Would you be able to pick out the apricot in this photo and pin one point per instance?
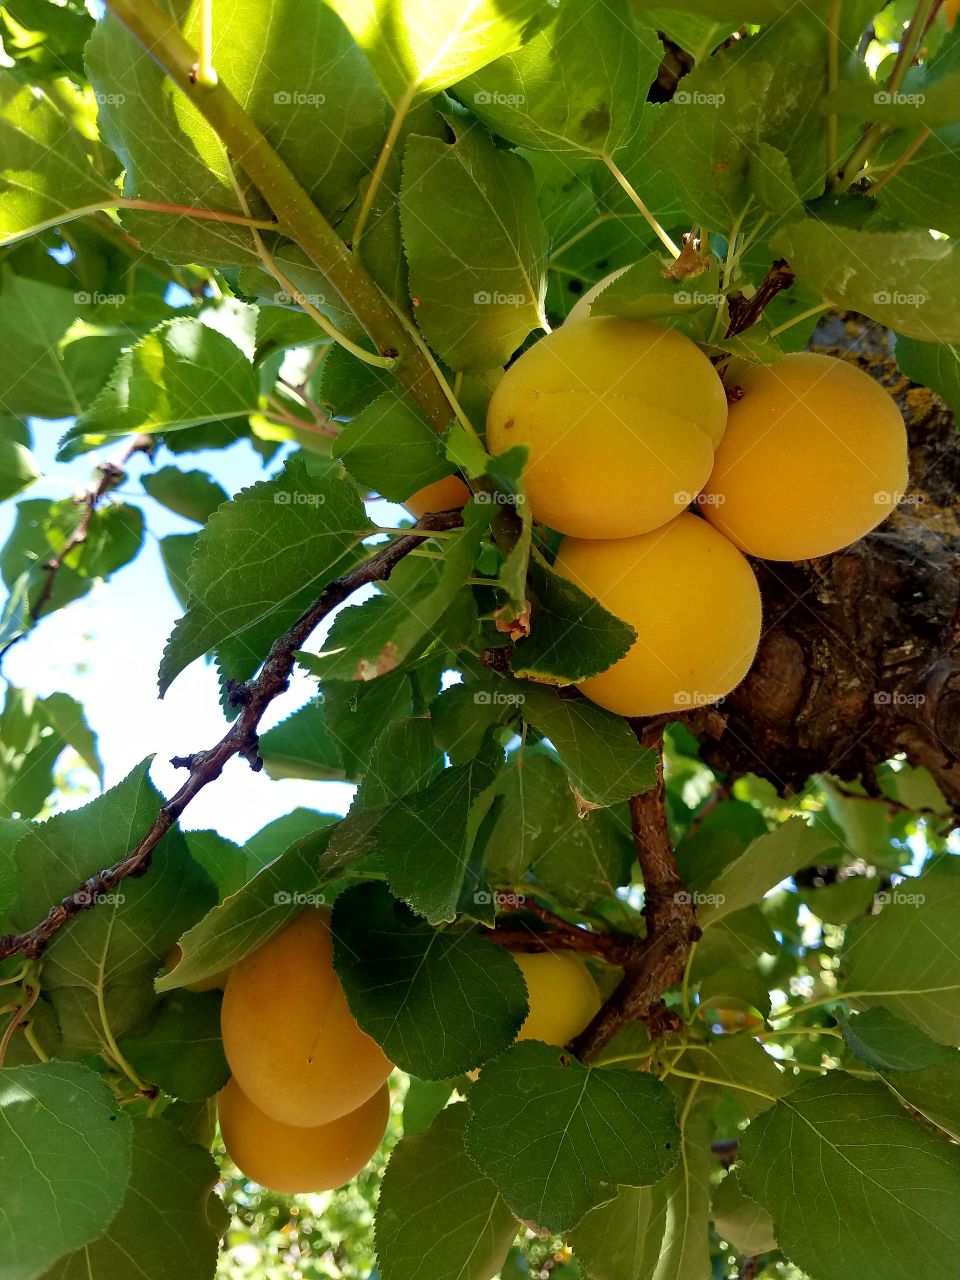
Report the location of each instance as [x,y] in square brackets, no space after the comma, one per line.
[695,605]
[814,457]
[562,994]
[288,1034]
[621,418]
[294,1159]
[448,494]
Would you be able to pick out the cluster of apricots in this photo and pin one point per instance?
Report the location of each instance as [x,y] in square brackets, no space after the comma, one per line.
[308,1102]
[628,425]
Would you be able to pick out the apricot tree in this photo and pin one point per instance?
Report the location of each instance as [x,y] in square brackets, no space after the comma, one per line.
[638,934]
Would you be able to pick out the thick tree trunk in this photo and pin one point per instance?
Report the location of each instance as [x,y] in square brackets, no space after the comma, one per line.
[860,658]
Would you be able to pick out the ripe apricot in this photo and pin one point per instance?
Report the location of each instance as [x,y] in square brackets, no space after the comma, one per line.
[621,418]
[293,1159]
[695,605]
[562,994]
[814,457]
[448,494]
[288,1033]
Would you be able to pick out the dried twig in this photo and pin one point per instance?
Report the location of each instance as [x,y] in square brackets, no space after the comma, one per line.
[657,961]
[241,739]
[744,311]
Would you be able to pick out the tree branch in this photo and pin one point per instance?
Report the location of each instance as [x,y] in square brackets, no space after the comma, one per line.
[561,936]
[657,961]
[241,738]
[745,312]
[112,473]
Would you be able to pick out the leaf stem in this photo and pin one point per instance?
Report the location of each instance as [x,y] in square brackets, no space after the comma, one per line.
[901,163]
[206,76]
[654,225]
[380,168]
[804,315]
[833,76]
[724,1084]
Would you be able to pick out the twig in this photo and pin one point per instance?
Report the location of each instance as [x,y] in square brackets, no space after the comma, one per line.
[112,473]
[727,1150]
[745,312]
[657,961]
[750,1268]
[561,936]
[240,740]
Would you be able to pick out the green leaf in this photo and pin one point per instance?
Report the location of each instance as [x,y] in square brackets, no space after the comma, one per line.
[904,958]
[404,759]
[762,865]
[887,1043]
[357,712]
[418,49]
[935,166]
[69,719]
[224,862]
[740,1221]
[302,746]
[299,75]
[170,1221]
[932,364]
[904,279]
[600,751]
[33,734]
[772,181]
[463,713]
[181,1050]
[578,87]
[44,40]
[425,1099]
[98,969]
[183,374]
[660,1231]
[557,1137]
[934,1092]
[388,447]
[47,175]
[475,246]
[426,838]
[243,568]
[247,918]
[820,1160]
[17,469]
[571,636]
[437,1217]
[191,494]
[438,1002]
[741,1064]
[68,1176]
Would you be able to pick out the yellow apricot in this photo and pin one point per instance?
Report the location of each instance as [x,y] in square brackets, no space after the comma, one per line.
[562,994]
[215,982]
[814,457]
[448,494]
[288,1033]
[694,602]
[621,418]
[293,1159]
